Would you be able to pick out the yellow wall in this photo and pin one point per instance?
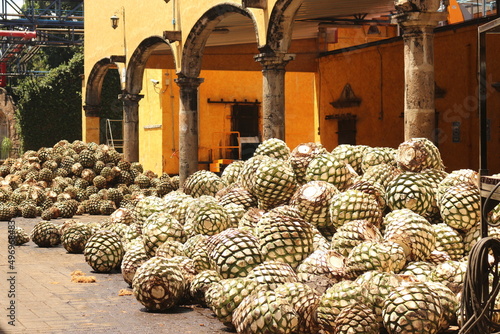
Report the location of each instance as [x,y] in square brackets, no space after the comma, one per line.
[159,122]
[300,109]
[104,41]
[91,127]
[156,16]
[375,73]
[170,112]
[455,65]
[151,122]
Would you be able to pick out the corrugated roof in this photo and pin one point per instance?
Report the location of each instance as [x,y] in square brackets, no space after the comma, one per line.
[239,29]
[313,9]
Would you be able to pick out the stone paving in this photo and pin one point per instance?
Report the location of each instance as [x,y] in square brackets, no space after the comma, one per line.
[42,298]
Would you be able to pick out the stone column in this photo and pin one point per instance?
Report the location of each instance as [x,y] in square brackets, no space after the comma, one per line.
[273,103]
[418,35]
[92,123]
[130,126]
[188,126]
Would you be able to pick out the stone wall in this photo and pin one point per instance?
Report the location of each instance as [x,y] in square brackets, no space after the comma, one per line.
[8,109]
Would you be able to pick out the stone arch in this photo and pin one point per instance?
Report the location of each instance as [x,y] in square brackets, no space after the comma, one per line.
[138,60]
[279,32]
[94,87]
[195,42]
[131,97]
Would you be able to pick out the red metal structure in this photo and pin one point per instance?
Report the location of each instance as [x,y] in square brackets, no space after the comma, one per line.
[18,33]
[23,30]
[12,50]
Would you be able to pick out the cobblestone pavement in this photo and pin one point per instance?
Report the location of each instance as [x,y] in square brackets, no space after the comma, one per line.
[42,299]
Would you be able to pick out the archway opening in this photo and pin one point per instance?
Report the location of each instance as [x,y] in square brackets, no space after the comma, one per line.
[111,113]
[222,47]
[150,80]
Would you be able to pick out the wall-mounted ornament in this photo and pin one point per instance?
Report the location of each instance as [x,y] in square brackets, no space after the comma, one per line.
[347,99]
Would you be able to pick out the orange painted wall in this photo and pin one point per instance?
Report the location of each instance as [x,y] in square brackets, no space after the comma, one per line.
[356,35]
[300,118]
[455,65]
[241,85]
[241,57]
[376,76]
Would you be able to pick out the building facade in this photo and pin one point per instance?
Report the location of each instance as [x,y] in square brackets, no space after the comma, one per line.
[200,79]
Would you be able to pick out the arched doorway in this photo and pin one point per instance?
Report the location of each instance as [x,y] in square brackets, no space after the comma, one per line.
[111,113]
[210,24]
[93,98]
[150,73]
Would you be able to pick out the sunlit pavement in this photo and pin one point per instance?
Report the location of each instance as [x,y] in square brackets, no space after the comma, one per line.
[37,295]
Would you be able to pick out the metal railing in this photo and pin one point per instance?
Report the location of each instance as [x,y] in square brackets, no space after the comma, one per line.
[111,140]
[221,142]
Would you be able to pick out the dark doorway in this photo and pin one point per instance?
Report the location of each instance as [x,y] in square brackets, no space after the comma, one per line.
[347,131]
[245,120]
[111,128]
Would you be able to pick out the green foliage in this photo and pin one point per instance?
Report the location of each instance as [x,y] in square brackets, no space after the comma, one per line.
[6,147]
[49,108]
[51,57]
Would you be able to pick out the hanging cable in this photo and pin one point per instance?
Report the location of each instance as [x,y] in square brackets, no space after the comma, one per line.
[478,299]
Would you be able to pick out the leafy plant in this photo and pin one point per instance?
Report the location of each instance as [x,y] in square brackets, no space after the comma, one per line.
[49,108]
[6,147]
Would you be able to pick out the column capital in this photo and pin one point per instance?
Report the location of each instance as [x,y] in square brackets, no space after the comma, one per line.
[125,96]
[187,82]
[418,5]
[419,19]
[92,110]
[262,4]
[274,60]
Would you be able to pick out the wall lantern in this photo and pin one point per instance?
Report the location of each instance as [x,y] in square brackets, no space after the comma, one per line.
[114,21]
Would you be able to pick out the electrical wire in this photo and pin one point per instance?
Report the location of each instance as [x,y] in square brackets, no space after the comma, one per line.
[482,282]
[478,300]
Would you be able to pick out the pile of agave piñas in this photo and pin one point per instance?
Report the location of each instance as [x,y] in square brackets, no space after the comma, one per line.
[72,179]
[357,240]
